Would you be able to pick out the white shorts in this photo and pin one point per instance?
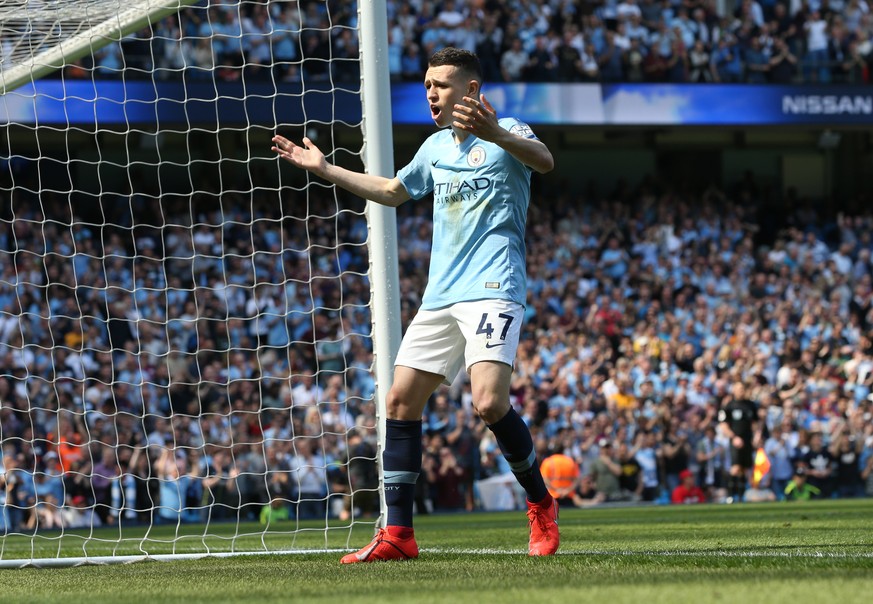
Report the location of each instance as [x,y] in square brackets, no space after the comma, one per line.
[445,340]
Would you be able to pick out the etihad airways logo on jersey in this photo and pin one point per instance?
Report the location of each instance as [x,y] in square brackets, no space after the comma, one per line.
[453,192]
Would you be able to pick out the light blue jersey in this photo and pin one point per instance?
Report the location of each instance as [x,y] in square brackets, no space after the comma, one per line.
[480,199]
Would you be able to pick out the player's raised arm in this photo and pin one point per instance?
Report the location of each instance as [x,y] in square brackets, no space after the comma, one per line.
[386,191]
[478,117]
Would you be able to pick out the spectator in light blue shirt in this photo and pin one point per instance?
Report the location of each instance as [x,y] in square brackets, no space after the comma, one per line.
[109,62]
[727,60]
[757,63]
[173,479]
[614,259]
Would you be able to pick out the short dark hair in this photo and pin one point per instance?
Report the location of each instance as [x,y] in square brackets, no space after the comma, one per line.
[457,57]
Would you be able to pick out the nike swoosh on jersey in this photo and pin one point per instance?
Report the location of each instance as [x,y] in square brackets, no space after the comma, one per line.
[490,345]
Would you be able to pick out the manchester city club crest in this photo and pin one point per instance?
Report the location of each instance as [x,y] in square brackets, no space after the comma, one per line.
[476,156]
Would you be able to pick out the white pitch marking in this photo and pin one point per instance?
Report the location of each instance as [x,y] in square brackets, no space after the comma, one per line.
[667,553]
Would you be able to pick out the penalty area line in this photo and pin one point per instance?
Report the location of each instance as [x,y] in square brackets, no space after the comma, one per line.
[480,551]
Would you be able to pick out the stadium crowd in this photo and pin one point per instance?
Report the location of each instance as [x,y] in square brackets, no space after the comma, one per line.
[780,41]
[215,363]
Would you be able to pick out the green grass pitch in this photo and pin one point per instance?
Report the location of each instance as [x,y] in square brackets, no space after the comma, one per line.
[818,552]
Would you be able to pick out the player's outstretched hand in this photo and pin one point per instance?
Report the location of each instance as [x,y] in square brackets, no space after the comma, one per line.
[309,157]
[477,117]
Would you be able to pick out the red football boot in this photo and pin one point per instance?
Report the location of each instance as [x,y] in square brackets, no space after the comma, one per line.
[544,536]
[384,546]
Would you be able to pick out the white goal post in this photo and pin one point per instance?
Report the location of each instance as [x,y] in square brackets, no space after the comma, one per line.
[196,339]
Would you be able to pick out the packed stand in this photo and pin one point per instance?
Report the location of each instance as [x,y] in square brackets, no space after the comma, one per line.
[640,40]
[649,314]
[192,366]
[777,41]
[134,393]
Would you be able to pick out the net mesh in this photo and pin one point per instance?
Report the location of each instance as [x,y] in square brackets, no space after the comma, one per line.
[184,324]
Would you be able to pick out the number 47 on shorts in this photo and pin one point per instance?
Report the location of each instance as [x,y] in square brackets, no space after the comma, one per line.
[487,328]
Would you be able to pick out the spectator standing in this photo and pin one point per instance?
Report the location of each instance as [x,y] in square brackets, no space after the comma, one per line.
[677,62]
[710,455]
[627,10]
[783,63]
[609,61]
[684,28]
[541,65]
[867,476]
[308,480]
[634,61]
[750,10]
[675,453]
[635,30]
[703,30]
[780,453]
[727,61]
[363,476]
[463,440]
[569,59]
[103,473]
[854,13]
[220,484]
[410,65]
[257,29]
[847,476]
[172,473]
[513,62]
[284,42]
[819,464]
[590,67]
[6,487]
[700,63]
[489,41]
[649,459]
[816,60]
[853,67]
[757,62]
[630,480]
[447,479]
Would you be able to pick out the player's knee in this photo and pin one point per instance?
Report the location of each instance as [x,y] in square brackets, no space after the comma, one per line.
[490,407]
[397,405]
[393,403]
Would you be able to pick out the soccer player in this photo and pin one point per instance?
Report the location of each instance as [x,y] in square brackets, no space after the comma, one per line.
[739,423]
[478,168]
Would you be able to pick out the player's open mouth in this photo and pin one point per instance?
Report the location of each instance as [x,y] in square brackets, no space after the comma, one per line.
[435,111]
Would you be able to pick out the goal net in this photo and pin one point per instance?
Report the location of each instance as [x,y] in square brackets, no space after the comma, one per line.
[190,343]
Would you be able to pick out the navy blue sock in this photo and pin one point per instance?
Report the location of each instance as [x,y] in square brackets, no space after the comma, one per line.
[401,462]
[737,485]
[515,441]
